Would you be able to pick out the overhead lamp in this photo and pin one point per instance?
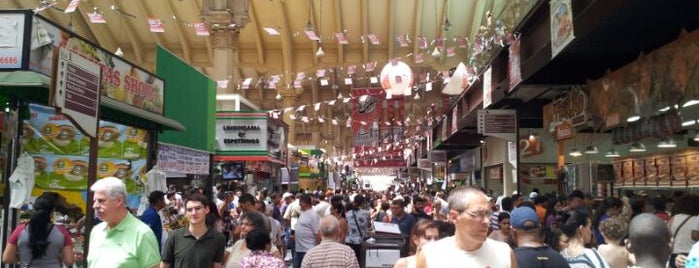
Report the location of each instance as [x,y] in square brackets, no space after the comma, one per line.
[119,52]
[339,96]
[612,153]
[633,117]
[637,147]
[436,53]
[667,143]
[696,136]
[591,150]
[320,52]
[531,135]
[447,25]
[278,97]
[575,152]
[309,26]
[417,96]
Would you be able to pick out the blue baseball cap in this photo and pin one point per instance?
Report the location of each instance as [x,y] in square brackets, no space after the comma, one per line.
[524,218]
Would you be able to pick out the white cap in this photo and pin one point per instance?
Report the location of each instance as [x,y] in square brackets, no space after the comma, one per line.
[533,195]
[287,194]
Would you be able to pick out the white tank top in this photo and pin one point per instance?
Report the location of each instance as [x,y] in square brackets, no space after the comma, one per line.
[445,254]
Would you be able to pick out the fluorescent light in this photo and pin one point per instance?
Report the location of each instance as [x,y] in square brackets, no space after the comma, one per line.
[637,147]
[689,123]
[591,150]
[575,152]
[667,143]
[690,103]
[611,153]
[664,109]
[696,137]
[633,118]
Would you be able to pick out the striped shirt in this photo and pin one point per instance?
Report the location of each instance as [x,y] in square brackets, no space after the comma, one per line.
[330,254]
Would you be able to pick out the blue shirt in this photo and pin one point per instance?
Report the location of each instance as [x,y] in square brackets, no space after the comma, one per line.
[405,224]
[152,219]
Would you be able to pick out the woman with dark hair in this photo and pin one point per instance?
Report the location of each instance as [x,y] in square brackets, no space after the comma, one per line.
[358,222]
[610,207]
[39,243]
[683,216]
[577,227]
[423,232]
[251,220]
[259,244]
[337,209]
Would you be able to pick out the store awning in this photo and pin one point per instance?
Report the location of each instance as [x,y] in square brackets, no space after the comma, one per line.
[34,86]
[163,121]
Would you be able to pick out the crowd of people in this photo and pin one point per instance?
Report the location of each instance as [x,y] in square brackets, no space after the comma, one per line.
[469,228]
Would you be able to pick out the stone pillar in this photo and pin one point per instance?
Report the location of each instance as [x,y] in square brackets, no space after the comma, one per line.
[224,37]
[289,97]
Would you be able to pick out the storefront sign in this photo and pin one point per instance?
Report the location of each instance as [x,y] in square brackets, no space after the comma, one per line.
[12,37]
[424,163]
[571,108]
[121,80]
[498,123]
[565,131]
[182,160]
[77,90]
[242,133]
[437,156]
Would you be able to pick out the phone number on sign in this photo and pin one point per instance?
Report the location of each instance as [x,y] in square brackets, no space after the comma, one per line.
[9,60]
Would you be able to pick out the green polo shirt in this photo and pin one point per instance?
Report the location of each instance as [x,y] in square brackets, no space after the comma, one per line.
[130,244]
[182,249]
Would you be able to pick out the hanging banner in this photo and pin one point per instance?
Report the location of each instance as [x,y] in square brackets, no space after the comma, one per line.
[562,32]
[488,87]
[182,160]
[514,67]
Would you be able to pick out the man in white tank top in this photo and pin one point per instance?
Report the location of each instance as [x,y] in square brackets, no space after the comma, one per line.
[470,246]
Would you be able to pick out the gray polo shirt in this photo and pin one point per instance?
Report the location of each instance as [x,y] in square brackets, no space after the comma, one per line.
[182,249]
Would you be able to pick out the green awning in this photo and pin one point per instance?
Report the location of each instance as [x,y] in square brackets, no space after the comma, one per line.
[27,85]
[163,121]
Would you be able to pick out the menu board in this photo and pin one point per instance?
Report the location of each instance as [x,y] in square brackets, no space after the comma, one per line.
[61,151]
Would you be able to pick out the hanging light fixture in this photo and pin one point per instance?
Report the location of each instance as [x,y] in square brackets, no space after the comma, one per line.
[696,136]
[320,52]
[278,97]
[612,153]
[635,116]
[637,147]
[309,26]
[667,143]
[339,96]
[591,150]
[447,25]
[436,52]
[575,152]
[417,96]
[531,135]
[119,52]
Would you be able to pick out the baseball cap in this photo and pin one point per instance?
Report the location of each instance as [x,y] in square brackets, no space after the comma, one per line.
[524,218]
[576,193]
[287,194]
[533,195]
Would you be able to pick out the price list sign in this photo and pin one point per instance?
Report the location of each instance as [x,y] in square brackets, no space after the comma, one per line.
[498,123]
[77,90]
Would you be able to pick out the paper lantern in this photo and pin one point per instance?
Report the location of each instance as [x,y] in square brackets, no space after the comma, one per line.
[458,81]
[397,78]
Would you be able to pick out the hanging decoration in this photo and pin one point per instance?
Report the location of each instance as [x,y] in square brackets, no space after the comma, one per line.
[397,78]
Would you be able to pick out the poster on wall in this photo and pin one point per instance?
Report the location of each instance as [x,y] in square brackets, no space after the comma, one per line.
[61,152]
[494,172]
[538,173]
[186,161]
[561,25]
[12,28]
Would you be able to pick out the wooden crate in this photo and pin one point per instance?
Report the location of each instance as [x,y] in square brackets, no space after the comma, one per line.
[679,169]
[627,172]
[693,168]
[664,170]
[639,172]
[651,171]
[618,172]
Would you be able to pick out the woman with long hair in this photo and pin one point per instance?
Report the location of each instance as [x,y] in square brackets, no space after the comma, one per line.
[39,243]
[337,209]
[424,232]
[578,228]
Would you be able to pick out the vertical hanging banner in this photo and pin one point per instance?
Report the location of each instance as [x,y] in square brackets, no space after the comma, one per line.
[514,64]
[561,25]
[487,87]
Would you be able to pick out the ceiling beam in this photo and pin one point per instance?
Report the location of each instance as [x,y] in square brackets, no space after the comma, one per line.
[136,44]
[182,34]
[417,26]
[102,35]
[339,29]
[364,14]
[146,13]
[391,28]
[258,34]
[287,45]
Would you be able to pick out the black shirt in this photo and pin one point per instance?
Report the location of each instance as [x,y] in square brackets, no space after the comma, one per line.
[540,257]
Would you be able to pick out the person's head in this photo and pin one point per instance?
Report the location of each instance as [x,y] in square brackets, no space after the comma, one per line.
[276,199]
[649,240]
[614,230]
[260,206]
[197,207]
[660,203]
[576,199]
[44,206]
[504,222]
[559,240]
[252,220]
[525,223]
[359,201]
[506,204]
[329,228]
[288,198]
[445,228]
[305,201]
[577,226]
[337,208]
[397,208]
[419,204]
[610,206]
[385,206]
[257,239]
[156,199]
[517,200]
[246,202]
[686,204]
[469,210]
[423,232]
[109,200]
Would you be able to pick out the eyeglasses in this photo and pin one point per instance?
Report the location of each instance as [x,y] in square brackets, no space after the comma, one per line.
[479,214]
[195,209]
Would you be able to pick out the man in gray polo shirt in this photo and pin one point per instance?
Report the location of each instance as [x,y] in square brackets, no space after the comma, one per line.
[197,245]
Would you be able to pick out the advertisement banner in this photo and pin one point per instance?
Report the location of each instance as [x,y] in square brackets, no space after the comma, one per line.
[60,151]
[121,80]
[182,160]
[562,32]
[242,132]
